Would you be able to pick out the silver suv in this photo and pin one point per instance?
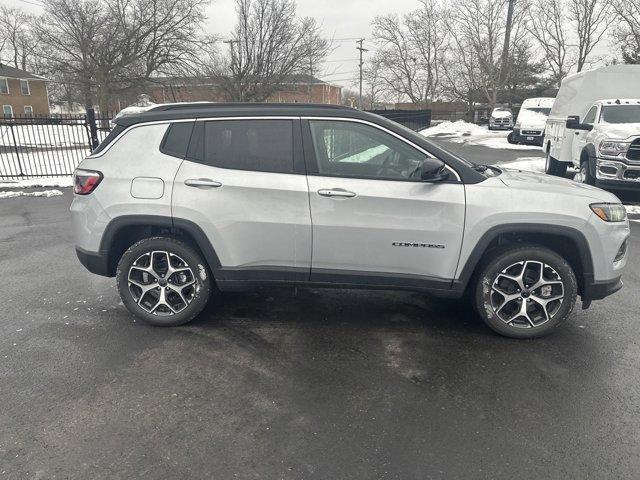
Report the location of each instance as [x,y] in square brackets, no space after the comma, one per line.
[183,199]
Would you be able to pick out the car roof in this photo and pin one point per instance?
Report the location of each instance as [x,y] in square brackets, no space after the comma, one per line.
[618,101]
[177,111]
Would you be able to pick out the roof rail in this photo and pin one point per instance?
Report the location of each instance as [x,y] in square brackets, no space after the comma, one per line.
[198,105]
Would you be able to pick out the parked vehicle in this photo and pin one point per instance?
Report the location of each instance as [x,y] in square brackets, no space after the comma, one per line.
[501,119]
[531,121]
[594,125]
[183,199]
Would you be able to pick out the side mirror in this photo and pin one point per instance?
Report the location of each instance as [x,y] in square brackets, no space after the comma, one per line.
[433,170]
[573,122]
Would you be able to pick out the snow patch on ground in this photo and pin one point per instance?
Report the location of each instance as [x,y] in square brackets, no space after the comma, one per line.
[38,182]
[44,193]
[472,134]
[635,209]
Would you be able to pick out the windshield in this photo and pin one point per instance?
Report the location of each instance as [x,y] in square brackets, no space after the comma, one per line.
[543,110]
[620,114]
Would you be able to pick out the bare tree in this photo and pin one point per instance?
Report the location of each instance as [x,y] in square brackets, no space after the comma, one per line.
[627,32]
[411,50]
[592,19]
[269,47]
[478,28]
[110,46]
[547,24]
[16,36]
[376,87]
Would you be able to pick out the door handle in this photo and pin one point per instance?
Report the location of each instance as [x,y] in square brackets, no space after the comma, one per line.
[202,183]
[336,192]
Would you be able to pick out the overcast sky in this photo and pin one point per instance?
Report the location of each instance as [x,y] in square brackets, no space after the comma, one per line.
[340,19]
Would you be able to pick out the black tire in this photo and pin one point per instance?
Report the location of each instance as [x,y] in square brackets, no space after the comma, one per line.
[554,167]
[511,138]
[508,322]
[195,295]
[585,173]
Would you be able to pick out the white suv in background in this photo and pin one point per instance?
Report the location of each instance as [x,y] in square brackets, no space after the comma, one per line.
[184,198]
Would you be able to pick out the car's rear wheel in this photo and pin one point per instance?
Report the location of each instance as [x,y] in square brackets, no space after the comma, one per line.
[163,281]
[525,291]
[554,167]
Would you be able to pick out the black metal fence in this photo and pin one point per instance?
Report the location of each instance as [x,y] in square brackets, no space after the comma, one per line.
[39,146]
[414,119]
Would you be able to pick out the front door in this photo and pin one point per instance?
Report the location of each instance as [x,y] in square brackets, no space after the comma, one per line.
[374,221]
[241,185]
[580,136]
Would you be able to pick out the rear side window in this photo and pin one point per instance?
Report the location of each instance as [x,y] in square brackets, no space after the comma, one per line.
[259,145]
[176,140]
[117,130]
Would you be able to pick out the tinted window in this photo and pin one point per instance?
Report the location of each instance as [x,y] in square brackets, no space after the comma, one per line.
[176,140]
[356,150]
[260,145]
[591,115]
[117,130]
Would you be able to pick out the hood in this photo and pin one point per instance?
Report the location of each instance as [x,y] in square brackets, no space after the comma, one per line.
[543,183]
[620,131]
[501,114]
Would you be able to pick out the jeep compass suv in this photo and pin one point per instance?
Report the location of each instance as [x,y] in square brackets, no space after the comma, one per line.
[183,199]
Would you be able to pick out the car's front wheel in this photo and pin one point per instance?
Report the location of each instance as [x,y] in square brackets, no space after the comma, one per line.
[525,291]
[163,281]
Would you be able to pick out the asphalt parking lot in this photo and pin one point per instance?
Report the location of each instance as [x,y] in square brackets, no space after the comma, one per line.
[306,384]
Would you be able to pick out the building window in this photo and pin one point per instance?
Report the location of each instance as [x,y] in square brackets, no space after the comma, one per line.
[28,110]
[4,85]
[24,87]
[7,110]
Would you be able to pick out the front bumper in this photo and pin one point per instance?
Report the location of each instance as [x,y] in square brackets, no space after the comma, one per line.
[599,290]
[528,137]
[617,174]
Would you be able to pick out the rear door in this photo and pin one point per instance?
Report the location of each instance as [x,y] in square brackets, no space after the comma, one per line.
[374,221]
[243,184]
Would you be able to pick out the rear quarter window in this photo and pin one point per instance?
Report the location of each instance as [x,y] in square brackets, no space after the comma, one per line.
[176,139]
[113,134]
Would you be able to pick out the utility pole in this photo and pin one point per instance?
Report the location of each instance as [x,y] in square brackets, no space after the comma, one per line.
[362,50]
[507,41]
[233,65]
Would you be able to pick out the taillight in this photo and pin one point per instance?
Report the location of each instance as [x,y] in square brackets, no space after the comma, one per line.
[85,181]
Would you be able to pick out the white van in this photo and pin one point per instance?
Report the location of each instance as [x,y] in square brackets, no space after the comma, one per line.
[594,125]
[531,121]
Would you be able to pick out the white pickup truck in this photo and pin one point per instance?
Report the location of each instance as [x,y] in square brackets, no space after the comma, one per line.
[594,125]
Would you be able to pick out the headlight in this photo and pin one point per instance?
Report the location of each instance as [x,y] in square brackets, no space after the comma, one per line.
[609,212]
[613,148]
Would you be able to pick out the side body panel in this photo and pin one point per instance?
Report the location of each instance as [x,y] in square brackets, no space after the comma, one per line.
[395,227]
[132,162]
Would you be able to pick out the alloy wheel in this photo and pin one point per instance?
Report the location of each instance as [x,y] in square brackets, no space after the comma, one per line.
[161,283]
[527,294]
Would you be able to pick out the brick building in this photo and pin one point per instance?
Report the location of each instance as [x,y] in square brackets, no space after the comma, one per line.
[22,93]
[298,89]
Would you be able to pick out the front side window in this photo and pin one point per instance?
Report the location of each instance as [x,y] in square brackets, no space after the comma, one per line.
[353,149]
[4,85]
[590,117]
[24,87]
[621,114]
[7,111]
[258,145]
